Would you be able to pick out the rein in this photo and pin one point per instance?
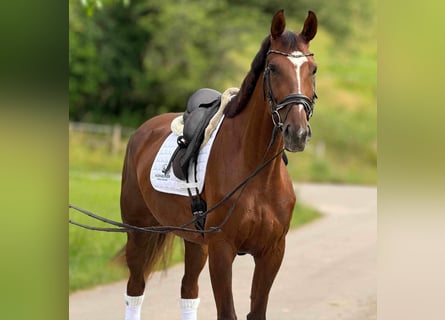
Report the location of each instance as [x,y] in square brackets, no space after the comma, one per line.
[124,227]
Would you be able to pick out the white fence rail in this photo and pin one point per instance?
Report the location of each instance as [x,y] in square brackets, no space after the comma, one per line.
[113,134]
[101,128]
[116,134]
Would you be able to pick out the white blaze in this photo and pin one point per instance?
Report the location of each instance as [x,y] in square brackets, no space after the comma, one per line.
[298,59]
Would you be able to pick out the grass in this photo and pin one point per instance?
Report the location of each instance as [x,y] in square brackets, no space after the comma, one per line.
[91,252]
[303,215]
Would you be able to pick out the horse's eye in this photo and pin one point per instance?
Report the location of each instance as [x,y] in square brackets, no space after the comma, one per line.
[315,70]
[273,68]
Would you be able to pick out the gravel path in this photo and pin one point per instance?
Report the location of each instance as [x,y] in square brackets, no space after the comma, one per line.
[328,272]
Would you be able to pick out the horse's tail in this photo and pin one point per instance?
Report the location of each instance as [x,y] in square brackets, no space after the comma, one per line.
[158,252]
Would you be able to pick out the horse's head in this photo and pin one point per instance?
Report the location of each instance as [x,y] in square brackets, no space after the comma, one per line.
[289,80]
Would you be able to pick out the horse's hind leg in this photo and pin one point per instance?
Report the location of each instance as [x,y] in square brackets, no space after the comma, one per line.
[194,261]
[143,250]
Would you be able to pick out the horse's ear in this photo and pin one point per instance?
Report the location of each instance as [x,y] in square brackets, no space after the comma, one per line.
[310,27]
[278,24]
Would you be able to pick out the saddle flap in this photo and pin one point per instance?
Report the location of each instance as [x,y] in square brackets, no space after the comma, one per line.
[197,121]
[202,98]
[201,107]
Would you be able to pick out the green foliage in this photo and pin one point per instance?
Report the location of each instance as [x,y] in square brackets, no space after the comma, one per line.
[105,62]
[131,60]
[178,59]
[129,63]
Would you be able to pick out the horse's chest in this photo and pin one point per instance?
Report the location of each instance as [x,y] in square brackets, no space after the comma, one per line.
[263,224]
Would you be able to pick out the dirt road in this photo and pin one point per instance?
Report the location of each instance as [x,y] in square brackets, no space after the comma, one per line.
[328,272]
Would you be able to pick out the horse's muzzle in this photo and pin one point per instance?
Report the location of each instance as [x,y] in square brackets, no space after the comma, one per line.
[295,139]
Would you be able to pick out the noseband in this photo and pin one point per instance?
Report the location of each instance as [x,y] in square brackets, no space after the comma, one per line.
[291,99]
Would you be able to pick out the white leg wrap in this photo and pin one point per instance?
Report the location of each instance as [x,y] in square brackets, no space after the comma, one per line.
[189,308]
[133,307]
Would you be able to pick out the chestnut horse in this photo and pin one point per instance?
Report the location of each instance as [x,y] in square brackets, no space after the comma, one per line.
[277,93]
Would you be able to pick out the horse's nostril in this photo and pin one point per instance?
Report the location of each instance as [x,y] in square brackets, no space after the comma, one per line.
[301,133]
[286,130]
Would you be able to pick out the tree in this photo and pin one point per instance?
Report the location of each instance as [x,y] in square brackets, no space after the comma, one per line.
[105,61]
[130,60]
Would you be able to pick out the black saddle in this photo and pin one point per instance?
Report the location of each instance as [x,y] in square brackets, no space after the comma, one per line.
[201,107]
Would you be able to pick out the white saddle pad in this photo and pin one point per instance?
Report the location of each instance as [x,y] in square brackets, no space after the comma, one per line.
[168,182]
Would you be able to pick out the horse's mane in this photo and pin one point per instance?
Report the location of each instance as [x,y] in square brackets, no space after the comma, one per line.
[239,102]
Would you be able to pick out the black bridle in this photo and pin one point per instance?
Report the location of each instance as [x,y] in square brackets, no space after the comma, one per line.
[291,99]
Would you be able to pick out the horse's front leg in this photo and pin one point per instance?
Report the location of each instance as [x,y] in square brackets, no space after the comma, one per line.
[266,268]
[221,256]
[195,259]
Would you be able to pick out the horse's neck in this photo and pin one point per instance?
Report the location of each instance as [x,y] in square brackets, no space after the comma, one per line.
[256,126]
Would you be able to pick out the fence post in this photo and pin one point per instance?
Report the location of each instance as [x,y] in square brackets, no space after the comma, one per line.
[320,150]
[116,139]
